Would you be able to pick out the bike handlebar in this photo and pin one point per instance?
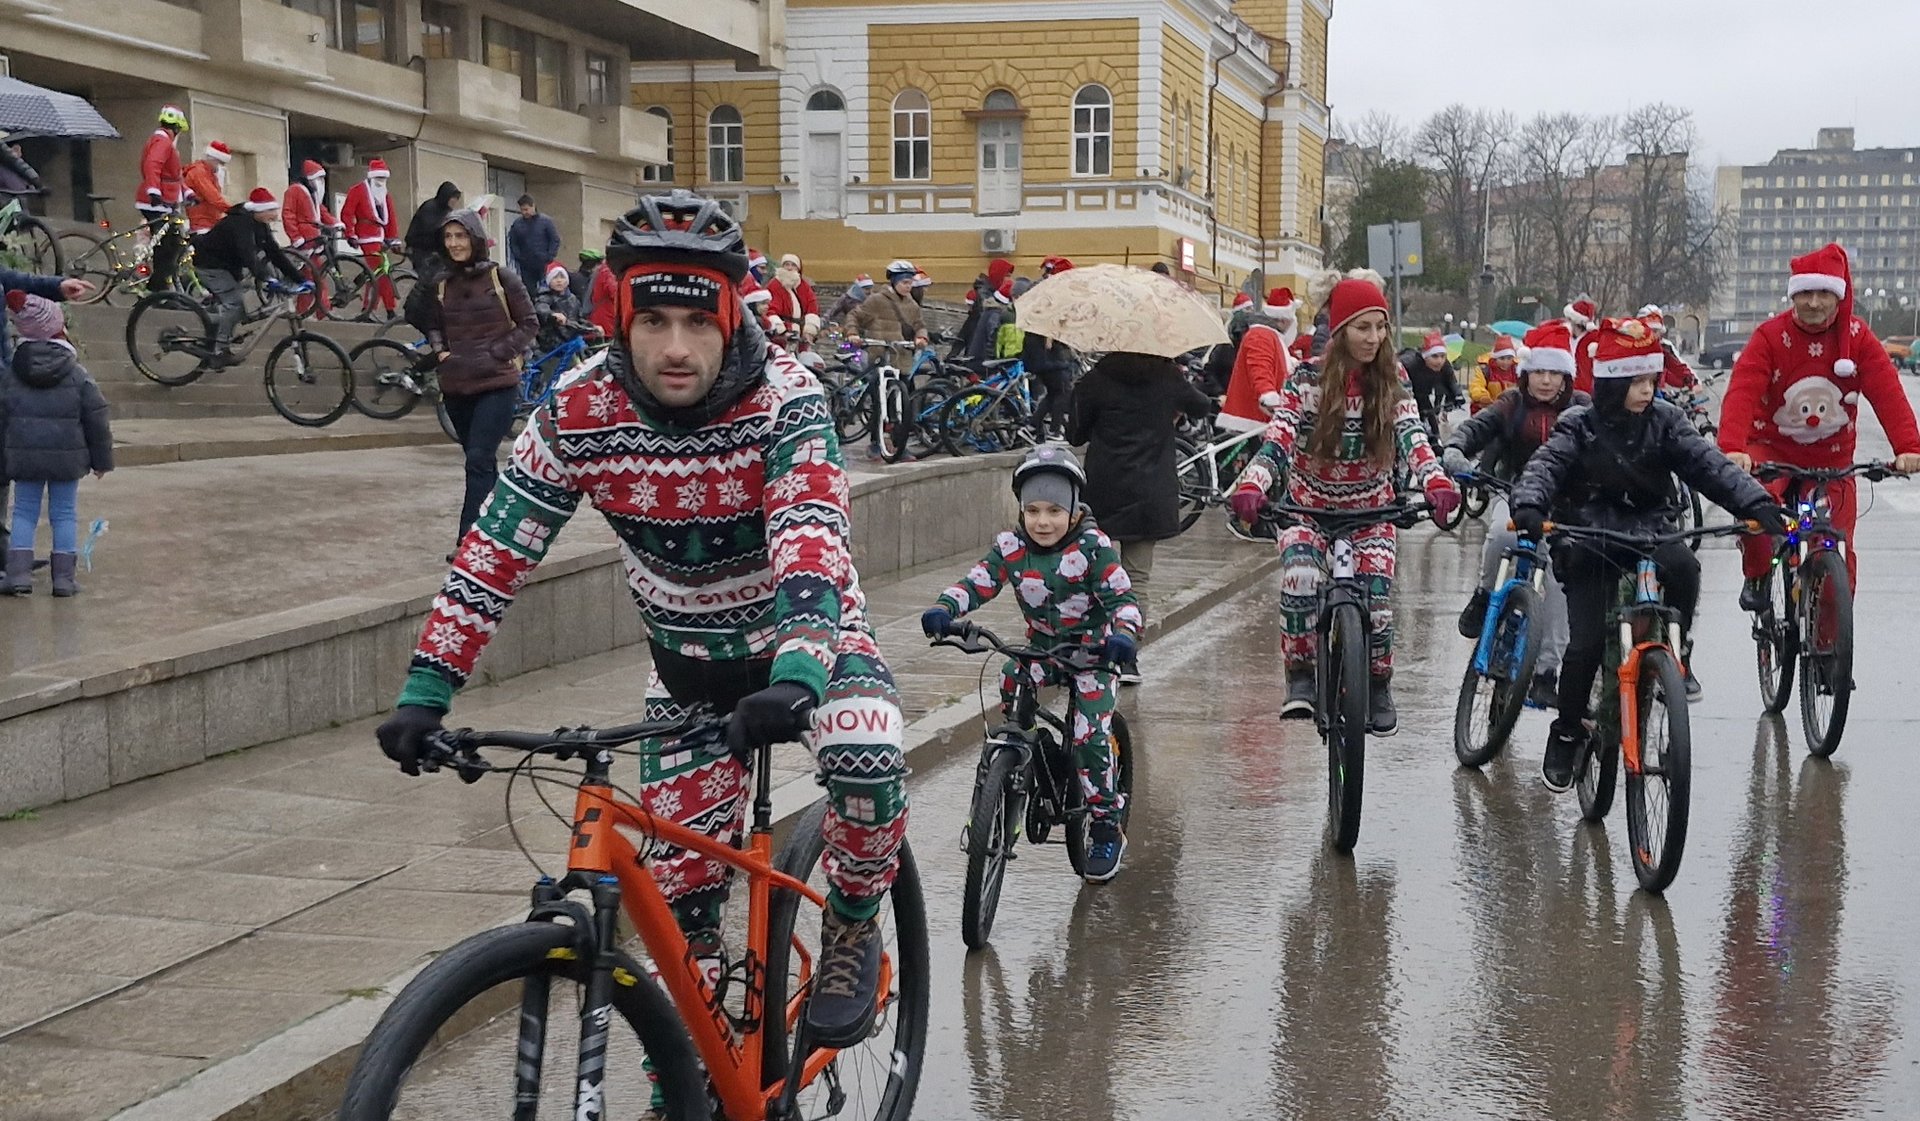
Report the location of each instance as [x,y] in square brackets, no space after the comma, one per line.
[459,748]
[1873,472]
[1646,543]
[1481,479]
[972,638]
[1405,515]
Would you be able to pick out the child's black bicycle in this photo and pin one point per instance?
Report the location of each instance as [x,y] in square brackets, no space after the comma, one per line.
[1027,777]
[1342,654]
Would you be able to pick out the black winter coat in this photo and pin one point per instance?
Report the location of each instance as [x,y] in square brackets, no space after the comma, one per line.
[1124,410]
[53,420]
[1620,476]
[1506,433]
[480,314]
[239,243]
[1435,390]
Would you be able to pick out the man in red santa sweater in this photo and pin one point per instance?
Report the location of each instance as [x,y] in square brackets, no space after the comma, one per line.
[373,226]
[1794,397]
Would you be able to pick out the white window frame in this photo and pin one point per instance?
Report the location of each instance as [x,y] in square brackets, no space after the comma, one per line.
[726,140]
[917,136]
[1092,122]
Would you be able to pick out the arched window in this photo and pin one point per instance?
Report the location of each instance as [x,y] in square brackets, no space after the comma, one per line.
[660,172]
[912,135]
[825,101]
[1000,101]
[726,145]
[1093,131]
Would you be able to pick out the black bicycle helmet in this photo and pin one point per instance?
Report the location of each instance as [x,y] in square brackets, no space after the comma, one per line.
[680,228]
[1050,459]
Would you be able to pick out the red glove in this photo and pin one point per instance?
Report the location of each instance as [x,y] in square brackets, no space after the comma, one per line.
[1444,498]
[1247,501]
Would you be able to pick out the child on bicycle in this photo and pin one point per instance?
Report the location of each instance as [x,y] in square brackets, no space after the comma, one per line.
[1502,437]
[1072,591]
[1349,465]
[1612,465]
[558,310]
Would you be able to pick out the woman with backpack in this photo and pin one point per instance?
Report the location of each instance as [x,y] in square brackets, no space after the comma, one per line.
[479,323]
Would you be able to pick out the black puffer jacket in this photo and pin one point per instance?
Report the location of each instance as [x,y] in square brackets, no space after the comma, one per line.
[1124,411]
[53,420]
[1619,474]
[480,314]
[1506,433]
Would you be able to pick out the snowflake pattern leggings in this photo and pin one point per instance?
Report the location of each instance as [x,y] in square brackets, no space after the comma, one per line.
[1303,566]
[856,746]
[1092,729]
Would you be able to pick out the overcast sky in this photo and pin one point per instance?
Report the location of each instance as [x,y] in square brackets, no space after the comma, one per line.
[1759,75]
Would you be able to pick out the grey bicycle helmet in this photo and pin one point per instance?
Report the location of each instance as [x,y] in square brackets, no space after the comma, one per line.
[1050,459]
[898,269]
[680,228]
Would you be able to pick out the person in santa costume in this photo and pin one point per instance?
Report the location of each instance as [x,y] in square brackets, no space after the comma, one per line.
[792,296]
[162,189]
[1582,315]
[303,211]
[1500,373]
[373,226]
[1794,397]
[1262,362]
[206,184]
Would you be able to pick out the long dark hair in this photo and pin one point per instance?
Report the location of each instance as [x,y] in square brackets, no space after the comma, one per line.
[1380,393]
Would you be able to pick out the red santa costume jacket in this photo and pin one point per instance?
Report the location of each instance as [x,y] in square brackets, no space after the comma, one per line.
[1787,403]
[160,172]
[369,221]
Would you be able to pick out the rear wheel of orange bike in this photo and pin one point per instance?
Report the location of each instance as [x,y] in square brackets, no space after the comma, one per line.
[878,1078]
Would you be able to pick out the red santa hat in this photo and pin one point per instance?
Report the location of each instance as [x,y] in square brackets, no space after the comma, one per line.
[218,152]
[1242,300]
[1626,348]
[863,281]
[377,168]
[1582,312]
[1826,269]
[1055,264]
[260,199]
[1503,348]
[1549,347]
[557,267]
[998,270]
[1004,293]
[1278,303]
[753,293]
[1433,344]
[312,170]
[922,280]
[1353,297]
[756,259]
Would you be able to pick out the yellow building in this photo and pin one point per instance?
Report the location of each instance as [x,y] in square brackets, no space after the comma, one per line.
[1183,131]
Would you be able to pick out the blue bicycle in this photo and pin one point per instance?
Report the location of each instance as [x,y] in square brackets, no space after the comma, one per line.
[1500,673]
[995,415]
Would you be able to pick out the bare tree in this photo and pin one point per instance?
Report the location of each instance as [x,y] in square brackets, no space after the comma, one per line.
[1561,160]
[1461,147]
[1374,139]
[1672,230]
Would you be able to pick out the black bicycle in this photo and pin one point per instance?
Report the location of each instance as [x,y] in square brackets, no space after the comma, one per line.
[1027,777]
[1342,654]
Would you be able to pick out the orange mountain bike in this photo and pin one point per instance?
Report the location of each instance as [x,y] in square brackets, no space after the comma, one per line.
[704,1042]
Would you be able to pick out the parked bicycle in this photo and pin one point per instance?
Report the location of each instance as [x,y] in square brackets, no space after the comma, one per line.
[995,415]
[119,263]
[1500,673]
[1809,613]
[1638,708]
[391,378]
[344,279]
[1027,777]
[1342,654]
[1207,471]
[27,243]
[309,379]
[734,1049]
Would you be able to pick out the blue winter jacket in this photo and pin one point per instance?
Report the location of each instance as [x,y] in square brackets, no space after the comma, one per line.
[534,243]
[53,420]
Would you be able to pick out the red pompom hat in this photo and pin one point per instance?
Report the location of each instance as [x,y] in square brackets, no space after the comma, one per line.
[1826,269]
[1351,297]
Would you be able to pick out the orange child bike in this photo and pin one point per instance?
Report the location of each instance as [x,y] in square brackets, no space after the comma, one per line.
[726,1041]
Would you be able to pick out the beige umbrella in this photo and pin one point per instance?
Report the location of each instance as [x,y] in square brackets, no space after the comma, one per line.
[1117,307]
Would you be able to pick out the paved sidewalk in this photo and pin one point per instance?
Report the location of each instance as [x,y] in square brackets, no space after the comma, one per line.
[143,441]
[263,904]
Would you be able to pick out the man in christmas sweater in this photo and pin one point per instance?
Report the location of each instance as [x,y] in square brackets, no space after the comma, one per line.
[1794,397]
[713,457]
[1072,591]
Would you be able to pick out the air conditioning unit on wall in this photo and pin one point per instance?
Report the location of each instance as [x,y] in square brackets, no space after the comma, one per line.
[996,241]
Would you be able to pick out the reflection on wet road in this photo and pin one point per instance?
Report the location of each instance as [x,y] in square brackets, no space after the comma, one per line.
[1484,954]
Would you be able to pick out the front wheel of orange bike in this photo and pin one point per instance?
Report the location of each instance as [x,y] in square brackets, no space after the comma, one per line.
[876,1079]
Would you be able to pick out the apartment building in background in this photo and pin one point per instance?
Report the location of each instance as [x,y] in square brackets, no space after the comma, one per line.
[1189,132]
[499,96]
[1867,199]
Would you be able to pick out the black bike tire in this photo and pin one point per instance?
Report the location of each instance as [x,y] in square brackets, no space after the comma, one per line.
[1192,482]
[1346,723]
[456,978]
[91,259]
[1474,500]
[1599,774]
[179,303]
[1820,569]
[1078,835]
[1659,669]
[912,970]
[308,338]
[346,299]
[1504,707]
[1013,429]
[987,868]
[951,427]
[404,354]
[1782,648]
[1697,517]
[923,407]
[48,259]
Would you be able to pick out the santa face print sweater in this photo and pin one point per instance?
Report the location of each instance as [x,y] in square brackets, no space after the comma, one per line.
[1348,481]
[1787,400]
[1075,591]
[735,534]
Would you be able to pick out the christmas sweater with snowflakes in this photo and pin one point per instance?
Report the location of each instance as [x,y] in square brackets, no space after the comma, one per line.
[735,534]
[1075,590]
[1348,481]
[1788,399]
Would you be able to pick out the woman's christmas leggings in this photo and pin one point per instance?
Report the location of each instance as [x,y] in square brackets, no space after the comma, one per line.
[1303,565]
[856,745]
[1091,724]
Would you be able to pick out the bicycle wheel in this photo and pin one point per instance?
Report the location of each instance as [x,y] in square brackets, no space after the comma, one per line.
[1696,517]
[384,384]
[1658,792]
[1194,490]
[1776,641]
[880,1076]
[403,280]
[453,1035]
[446,419]
[1343,691]
[1490,704]
[88,257]
[851,415]
[309,379]
[1600,767]
[1002,424]
[955,417]
[883,423]
[1079,835]
[1826,650]
[170,338]
[920,422]
[348,286]
[34,241]
[1474,501]
[991,834]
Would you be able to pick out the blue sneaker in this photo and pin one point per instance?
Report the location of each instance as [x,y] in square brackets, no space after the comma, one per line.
[1105,844]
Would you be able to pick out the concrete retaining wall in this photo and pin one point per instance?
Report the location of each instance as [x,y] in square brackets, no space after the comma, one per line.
[94,722]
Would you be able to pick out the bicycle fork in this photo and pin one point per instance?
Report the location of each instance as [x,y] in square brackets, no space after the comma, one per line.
[596,1007]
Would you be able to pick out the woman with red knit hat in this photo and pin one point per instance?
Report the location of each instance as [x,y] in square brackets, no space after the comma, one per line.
[1348,463]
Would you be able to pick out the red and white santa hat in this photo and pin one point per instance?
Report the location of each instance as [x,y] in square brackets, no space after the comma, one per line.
[312,169]
[922,280]
[1826,269]
[1503,348]
[1433,344]
[1242,300]
[1004,294]
[557,267]
[377,168]
[1549,347]
[1279,304]
[260,199]
[863,281]
[756,259]
[1582,312]
[218,152]
[1626,348]
[753,293]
